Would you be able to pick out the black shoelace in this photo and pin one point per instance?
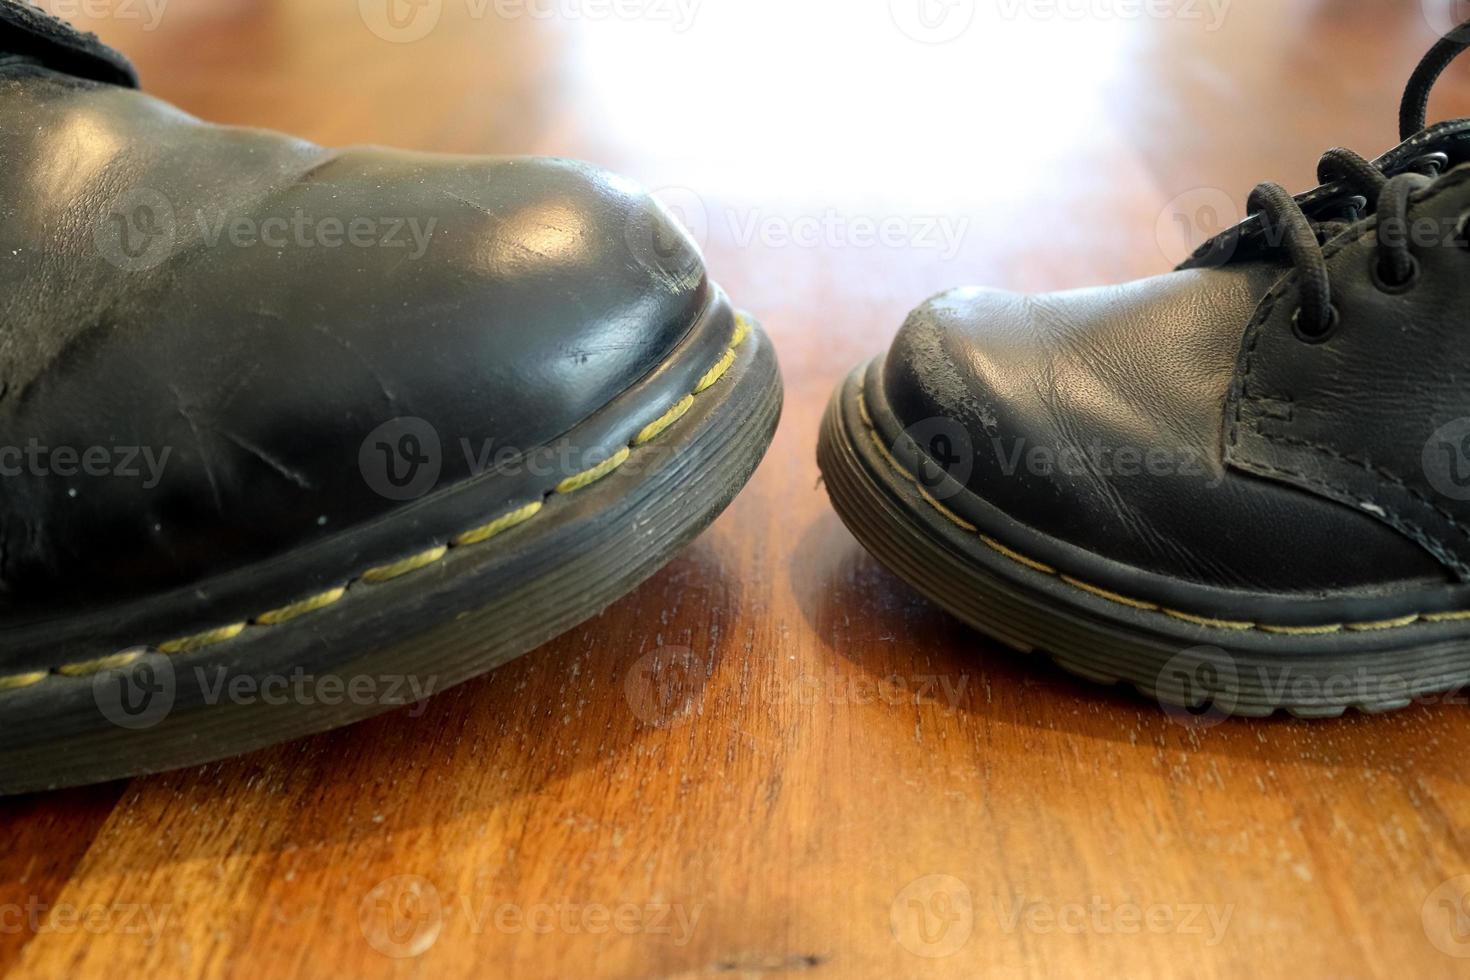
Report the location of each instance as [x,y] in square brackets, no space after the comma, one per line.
[1303,238]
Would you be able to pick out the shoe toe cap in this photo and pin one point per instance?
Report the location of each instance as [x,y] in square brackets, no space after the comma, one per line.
[496,304]
[1095,418]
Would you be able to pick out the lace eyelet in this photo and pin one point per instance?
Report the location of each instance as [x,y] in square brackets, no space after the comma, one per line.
[1386,285]
[1319,336]
[1428,164]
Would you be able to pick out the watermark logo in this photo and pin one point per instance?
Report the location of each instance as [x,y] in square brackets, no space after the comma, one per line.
[1447,17]
[1199,687]
[1446,917]
[1446,459]
[401,459]
[948,457]
[1193,218]
[933,916]
[932,21]
[402,916]
[139,230]
[401,21]
[663,686]
[138,696]
[675,230]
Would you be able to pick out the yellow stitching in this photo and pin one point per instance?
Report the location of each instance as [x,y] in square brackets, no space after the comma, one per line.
[1302,630]
[1387,624]
[1224,624]
[1447,617]
[97,666]
[1219,624]
[888,455]
[995,545]
[199,641]
[287,613]
[949,515]
[17,681]
[717,372]
[656,428]
[500,525]
[1102,593]
[588,477]
[398,569]
[743,329]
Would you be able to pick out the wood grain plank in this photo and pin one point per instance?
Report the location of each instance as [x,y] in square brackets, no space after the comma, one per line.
[775,759]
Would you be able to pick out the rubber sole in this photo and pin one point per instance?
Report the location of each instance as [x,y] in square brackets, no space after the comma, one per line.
[1179,660]
[405,632]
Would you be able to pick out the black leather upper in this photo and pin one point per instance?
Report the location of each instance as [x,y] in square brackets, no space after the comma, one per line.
[1373,417]
[1179,425]
[132,314]
[1096,416]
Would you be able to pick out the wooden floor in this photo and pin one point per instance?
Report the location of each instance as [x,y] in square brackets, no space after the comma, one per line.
[775,759]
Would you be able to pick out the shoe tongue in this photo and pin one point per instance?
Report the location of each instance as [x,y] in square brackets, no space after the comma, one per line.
[52,43]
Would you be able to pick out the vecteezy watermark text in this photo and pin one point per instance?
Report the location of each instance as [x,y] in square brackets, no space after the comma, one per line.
[148,12]
[403,917]
[38,917]
[145,463]
[1210,13]
[301,230]
[941,234]
[142,694]
[406,21]
[142,228]
[1101,917]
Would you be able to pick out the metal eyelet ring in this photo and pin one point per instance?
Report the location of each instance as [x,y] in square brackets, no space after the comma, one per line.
[1428,164]
[1320,335]
[1390,287]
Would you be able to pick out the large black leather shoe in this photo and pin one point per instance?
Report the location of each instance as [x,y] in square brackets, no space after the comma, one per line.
[1242,486]
[291,435]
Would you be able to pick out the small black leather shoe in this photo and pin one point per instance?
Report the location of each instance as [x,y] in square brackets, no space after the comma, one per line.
[290,436]
[1243,486]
